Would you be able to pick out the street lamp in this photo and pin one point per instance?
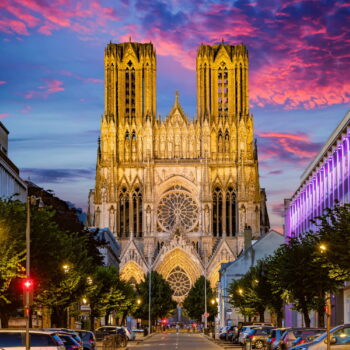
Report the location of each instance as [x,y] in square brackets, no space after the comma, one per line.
[240,291]
[138,301]
[66,269]
[323,249]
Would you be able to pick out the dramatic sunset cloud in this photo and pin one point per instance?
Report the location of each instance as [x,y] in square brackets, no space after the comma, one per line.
[51,86]
[51,64]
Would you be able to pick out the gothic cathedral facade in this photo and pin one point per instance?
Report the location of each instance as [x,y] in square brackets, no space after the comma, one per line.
[177,193]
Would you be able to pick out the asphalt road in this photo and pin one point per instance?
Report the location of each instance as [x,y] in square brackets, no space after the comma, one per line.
[173,341]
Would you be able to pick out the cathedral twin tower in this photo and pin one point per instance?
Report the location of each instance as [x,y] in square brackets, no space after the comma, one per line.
[177,193]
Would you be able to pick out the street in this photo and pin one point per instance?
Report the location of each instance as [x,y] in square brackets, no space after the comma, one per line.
[169,341]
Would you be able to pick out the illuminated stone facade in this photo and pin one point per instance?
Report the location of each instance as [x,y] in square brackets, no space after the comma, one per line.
[177,193]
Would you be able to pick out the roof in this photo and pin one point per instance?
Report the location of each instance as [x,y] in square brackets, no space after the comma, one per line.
[327,146]
[4,127]
[254,245]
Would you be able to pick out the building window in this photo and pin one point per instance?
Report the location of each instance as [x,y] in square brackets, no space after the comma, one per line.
[230,212]
[124,228]
[137,212]
[217,212]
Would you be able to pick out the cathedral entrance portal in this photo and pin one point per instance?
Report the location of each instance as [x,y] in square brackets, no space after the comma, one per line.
[181,270]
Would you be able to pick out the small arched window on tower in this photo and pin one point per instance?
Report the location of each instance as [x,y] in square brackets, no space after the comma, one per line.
[137,212]
[123,217]
[230,212]
[220,142]
[127,147]
[217,212]
[227,142]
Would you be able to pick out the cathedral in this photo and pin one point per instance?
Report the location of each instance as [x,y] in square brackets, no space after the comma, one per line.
[177,193]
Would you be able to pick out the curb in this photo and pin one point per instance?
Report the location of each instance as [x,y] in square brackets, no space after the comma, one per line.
[223,344]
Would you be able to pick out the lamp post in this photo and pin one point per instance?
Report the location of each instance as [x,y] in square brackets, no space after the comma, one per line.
[27,296]
[66,268]
[323,249]
[149,295]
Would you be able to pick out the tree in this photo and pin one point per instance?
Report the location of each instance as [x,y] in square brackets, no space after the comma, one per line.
[195,301]
[51,247]
[238,291]
[254,293]
[162,303]
[333,231]
[298,277]
[107,293]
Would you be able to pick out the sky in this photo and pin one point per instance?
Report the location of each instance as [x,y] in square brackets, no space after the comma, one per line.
[51,78]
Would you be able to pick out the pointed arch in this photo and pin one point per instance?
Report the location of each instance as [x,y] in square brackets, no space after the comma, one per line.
[217,212]
[132,271]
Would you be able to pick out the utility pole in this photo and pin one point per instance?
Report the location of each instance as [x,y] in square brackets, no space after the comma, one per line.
[328,314]
[27,290]
[205,292]
[149,294]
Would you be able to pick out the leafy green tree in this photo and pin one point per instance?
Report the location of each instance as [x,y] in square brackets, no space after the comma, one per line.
[299,278]
[238,291]
[162,303]
[254,293]
[333,231]
[195,301]
[107,293]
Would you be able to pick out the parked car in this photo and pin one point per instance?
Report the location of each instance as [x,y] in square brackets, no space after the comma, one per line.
[88,338]
[104,331]
[258,336]
[340,340]
[274,337]
[72,333]
[232,333]
[69,342]
[129,333]
[244,331]
[222,332]
[291,334]
[15,338]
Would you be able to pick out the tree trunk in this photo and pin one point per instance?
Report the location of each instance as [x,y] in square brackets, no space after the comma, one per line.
[106,318]
[92,322]
[58,317]
[262,315]
[4,317]
[279,315]
[305,312]
[320,312]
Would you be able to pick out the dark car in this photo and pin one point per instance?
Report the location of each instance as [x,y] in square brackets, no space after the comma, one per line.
[88,338]
[69,342]
[258,336]
[232,333]
[105,331]
[274,337]
[291,334]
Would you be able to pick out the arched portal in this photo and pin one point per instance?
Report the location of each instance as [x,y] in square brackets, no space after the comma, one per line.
[181,270]
[132,272]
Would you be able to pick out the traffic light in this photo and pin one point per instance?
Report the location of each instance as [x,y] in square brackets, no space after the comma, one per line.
[27,285]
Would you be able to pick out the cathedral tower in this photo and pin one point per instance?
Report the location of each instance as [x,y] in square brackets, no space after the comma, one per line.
[177,193]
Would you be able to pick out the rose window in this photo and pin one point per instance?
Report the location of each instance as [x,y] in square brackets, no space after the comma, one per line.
[179,282]
[177,209]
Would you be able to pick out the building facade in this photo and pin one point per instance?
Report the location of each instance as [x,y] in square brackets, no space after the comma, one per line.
[325,181]
[235,270]
[11,183]
[177,193]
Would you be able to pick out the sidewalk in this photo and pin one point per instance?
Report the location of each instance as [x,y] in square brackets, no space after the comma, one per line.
[224,344]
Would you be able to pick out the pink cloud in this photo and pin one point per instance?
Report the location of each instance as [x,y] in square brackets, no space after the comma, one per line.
[3,115]
[2,82]
[287,147]
[45,17]
[51,86]
[26,109]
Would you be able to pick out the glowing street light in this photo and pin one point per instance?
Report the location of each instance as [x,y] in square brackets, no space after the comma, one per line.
[138,301]
[65,268]
[323,247]
[240,291]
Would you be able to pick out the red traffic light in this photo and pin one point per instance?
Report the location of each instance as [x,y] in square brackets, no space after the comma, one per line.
[28,284]
[164,320]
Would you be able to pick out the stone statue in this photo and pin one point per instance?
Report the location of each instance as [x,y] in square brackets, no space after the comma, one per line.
[206,219]
[148,219]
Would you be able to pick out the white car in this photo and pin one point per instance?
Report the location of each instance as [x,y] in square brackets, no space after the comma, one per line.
[340,340]
[14,339]
[129,333]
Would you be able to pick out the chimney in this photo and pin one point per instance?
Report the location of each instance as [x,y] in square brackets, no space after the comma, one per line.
[247,237]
